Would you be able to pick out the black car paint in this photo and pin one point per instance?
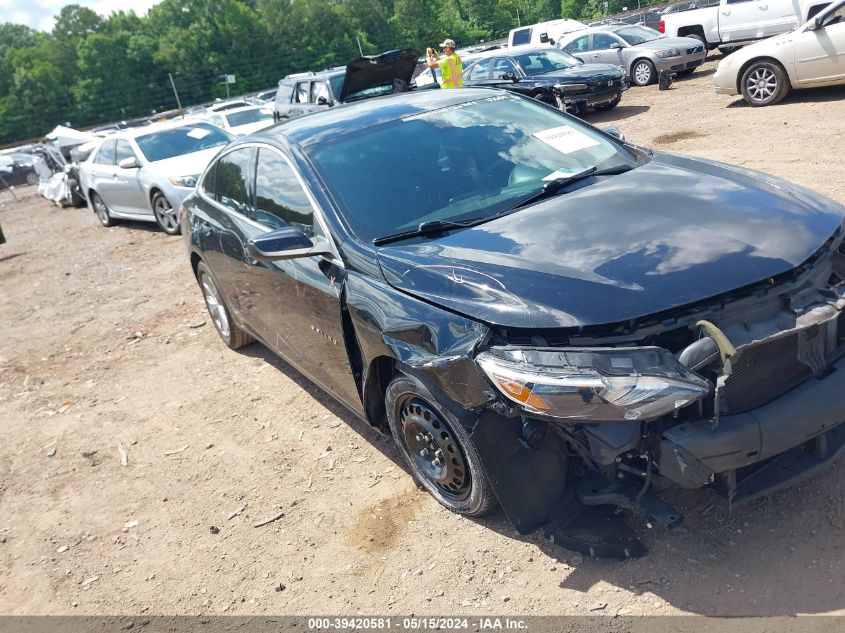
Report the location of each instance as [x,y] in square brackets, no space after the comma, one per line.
[426,307]
[604,82]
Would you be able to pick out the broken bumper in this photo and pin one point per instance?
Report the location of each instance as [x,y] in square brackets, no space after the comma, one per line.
[799,434]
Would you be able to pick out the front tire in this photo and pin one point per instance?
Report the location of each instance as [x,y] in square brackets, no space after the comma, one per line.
[165,214]
[101,210]
[643,72]
[764,83]
[437,449]
[232,335]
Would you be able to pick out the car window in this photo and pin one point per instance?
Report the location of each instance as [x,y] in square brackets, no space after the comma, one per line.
[187,139]
[522,36]
[603,41]
[245,117]
[503,66]
[279,198]
[545,61]
[836,17]
[581,45]
[123,150]
[336,83]
[208,182]
[105,156]
[638,34]
[232,180]
[321,89]
[484,155]
[303,91]
[481,70]
[737,1]
[285,93]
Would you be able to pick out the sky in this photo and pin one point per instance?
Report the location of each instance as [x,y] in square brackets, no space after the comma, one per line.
[40,14]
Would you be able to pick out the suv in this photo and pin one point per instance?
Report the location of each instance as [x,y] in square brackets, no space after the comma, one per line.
[362,78]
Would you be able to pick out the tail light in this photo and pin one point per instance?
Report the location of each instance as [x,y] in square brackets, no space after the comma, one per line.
[661,26]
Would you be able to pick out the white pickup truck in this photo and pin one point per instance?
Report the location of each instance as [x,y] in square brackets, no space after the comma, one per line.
[734,23]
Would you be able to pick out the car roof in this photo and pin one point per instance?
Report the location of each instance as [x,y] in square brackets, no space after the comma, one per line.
[513,51]
[320,74]
[359,115]
[156,127]
[255,106]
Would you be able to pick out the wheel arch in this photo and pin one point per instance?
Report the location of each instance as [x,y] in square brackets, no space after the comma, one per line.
[696,29]
[765,58]
[152,194]
[641,59]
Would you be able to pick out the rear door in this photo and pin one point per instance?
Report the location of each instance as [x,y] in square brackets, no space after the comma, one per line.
[776,16]
[103,174]
[820,54]
[125,188]
[738,20]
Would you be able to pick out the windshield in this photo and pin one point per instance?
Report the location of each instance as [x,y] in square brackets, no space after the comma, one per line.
[470,160]
[246,117]
[181,140]
[336,82]
[638,34]
[541,62]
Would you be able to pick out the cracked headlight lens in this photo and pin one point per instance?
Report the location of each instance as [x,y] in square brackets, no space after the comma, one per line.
[669,52]
[593,384]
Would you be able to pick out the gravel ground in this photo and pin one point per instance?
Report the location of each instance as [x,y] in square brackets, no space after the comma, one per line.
[108,353]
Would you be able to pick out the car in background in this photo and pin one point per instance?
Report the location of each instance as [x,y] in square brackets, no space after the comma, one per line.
[145,173]
[265,96]
[219,106]
[244,120]
[542,33]
[550,76]
[811,56]
[17,169]
[641,51]
[540,315]
[362,78]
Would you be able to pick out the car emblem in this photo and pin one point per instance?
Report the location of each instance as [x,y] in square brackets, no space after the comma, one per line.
[609,82]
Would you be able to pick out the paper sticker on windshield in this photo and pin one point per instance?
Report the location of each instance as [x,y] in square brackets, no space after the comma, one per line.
[199,133]
[565,139]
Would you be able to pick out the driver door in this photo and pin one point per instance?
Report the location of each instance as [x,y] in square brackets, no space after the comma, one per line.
[820,54]
[125,190]
[601,51]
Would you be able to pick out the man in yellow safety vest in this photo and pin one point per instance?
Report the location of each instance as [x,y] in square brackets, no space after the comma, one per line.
[451,68]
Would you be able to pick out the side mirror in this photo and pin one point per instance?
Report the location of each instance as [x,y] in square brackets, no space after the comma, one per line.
[817,23]
[323,101]
[286,243]
[509,76]
[614,131]
[130,162]
[551,41]
[615,46]
[544,38]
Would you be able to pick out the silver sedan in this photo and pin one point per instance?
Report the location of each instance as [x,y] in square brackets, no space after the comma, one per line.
[145,174]
[640,50]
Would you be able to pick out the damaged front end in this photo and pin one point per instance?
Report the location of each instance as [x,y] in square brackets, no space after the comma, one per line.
[744,393]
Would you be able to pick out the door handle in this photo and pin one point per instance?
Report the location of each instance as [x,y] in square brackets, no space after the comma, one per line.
[726,12]
[763,7]
[115,175]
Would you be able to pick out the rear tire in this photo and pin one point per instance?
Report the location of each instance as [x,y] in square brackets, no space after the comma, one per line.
[450,470]
[101,210]
[165,214]
[643,72]
[232,335]
[764,83]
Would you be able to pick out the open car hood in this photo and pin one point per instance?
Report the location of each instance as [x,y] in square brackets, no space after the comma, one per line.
[365,73]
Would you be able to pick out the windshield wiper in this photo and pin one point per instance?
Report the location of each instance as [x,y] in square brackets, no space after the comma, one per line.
[551,187]
[427,228]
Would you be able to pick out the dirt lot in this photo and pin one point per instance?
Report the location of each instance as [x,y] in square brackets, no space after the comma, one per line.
[107,348]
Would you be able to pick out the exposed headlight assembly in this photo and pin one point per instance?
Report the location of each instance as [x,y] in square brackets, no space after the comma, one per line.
[669,52]
[189,182]
[593,384]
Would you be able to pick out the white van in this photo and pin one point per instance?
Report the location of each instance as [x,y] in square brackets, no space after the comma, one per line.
[543,33]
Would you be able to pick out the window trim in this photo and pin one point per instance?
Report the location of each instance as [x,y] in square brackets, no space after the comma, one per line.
[318,212]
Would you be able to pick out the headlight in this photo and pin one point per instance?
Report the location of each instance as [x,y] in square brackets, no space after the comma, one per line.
[669,52]
[593,384]
[571,88]
[189,182]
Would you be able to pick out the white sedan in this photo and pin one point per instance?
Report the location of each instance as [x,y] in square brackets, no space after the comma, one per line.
[244,120]
[812,55]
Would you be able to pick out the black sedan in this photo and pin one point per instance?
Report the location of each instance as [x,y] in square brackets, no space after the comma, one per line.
[541,315]
[551,76]
[17,169]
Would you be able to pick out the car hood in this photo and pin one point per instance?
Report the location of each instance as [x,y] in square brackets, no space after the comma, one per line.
[191,164]
[672,232]
[668,42]
[584,72]
[377,70]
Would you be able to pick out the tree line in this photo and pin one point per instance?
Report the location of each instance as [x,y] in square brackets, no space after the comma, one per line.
[92,70]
